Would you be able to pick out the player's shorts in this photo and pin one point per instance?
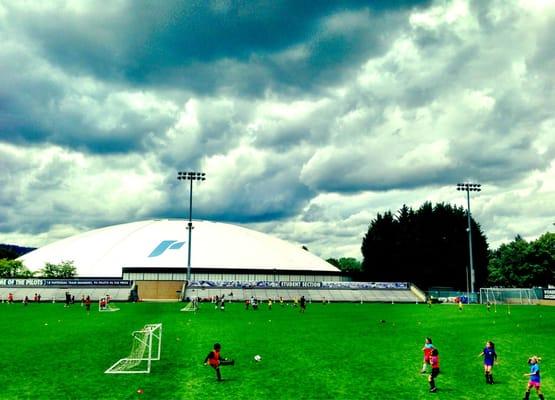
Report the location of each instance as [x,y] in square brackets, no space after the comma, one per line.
[489,363]
[534,384]
[435,372]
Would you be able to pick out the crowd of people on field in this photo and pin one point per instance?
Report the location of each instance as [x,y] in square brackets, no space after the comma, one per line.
[255,303]
[69,299]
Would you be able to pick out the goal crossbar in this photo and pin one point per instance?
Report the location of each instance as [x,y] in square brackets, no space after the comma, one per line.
[146,347]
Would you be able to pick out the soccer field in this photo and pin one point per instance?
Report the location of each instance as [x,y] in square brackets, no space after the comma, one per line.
[333,351]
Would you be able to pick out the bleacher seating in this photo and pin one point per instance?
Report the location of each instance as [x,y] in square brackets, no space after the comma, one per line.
[315,295]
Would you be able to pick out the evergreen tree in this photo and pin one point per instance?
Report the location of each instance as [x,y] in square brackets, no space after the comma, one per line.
[428,247]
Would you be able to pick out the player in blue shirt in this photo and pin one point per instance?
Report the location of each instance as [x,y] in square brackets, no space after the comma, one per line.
[490,356]
[534,375]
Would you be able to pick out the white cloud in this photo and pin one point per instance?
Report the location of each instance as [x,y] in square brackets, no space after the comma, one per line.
[60,188]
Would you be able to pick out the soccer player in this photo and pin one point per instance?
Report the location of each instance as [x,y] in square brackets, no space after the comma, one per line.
[534,375]
[215,360]
[303,304]
[427,349]
[490,356]
[434,361]
[88,304]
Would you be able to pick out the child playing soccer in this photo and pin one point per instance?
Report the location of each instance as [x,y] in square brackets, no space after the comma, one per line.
[490,356]
[434,361]
[427,349]
[534,375]
[214,360]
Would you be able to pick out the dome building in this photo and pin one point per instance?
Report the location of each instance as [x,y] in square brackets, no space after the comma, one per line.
[154,254]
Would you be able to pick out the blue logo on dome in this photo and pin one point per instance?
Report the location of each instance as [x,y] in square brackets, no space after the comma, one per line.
[165,245]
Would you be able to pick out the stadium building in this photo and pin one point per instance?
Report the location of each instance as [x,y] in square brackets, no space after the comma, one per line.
[153,255]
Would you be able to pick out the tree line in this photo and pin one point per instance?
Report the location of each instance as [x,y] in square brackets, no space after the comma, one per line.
[10,268]
[524,264]
[429,247]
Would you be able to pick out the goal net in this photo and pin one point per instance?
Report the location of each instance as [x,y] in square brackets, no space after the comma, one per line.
[146,347]
[508,296]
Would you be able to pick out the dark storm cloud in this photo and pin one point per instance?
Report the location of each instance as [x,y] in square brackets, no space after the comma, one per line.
[202,47]
[39,104]
[152,43]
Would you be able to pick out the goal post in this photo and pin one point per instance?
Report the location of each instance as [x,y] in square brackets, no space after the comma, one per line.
[146,347]
[508,296]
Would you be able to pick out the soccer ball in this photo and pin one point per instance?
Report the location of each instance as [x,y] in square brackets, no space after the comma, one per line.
[257,358]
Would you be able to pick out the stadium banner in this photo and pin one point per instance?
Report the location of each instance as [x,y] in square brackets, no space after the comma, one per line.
[299,284]
[65,283]
[549,294]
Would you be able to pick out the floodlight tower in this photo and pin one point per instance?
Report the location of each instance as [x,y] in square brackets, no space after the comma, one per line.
[469,187]
[190,176]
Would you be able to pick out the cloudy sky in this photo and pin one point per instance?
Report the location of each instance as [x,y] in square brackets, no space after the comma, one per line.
[308,117]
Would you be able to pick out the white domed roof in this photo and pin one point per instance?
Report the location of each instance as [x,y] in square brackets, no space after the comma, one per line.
[163,244]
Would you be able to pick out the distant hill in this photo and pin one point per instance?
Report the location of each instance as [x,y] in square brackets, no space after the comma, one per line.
[11,251]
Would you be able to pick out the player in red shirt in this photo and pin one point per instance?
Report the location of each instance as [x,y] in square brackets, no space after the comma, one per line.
[427,349]
[88,303]
[215,360]
[434,361]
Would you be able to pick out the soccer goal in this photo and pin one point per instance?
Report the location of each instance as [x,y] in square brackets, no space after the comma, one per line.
[508,296]
[146,347]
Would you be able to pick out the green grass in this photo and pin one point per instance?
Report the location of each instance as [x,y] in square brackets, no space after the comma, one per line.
[336,351]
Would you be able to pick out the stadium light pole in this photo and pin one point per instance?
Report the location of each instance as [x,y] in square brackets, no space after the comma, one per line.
[190,176]
[469,187]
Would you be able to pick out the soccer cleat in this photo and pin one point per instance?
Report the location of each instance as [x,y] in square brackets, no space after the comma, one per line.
[433,390]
